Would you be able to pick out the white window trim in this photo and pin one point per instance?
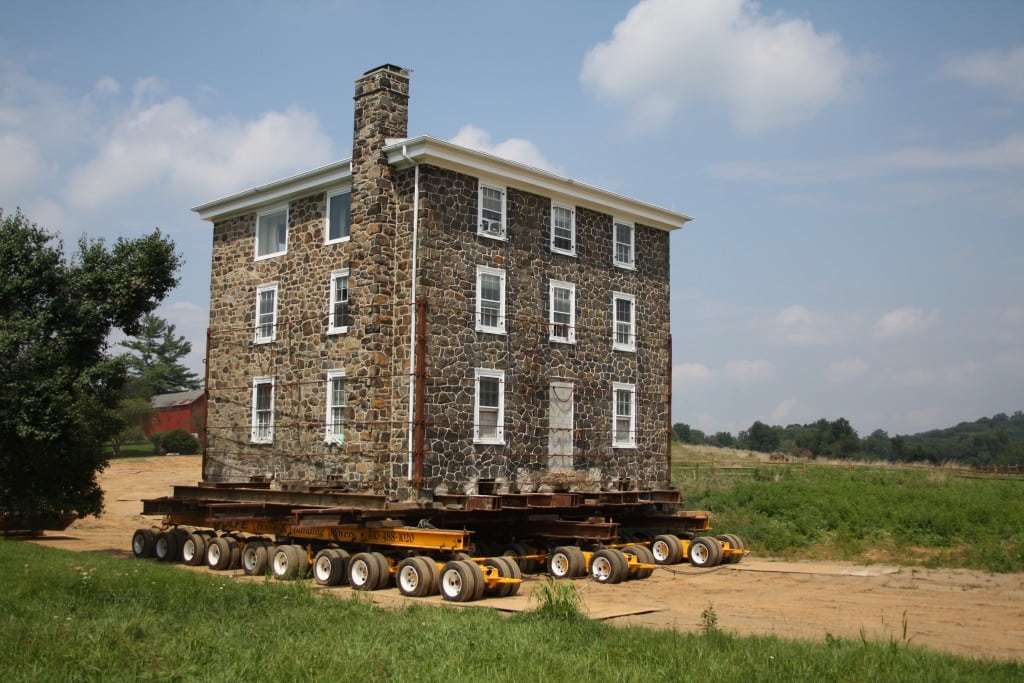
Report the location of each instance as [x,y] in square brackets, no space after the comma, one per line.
[501,327]
[630,442]
[329,435]
[257,326]
[499,437]
[571,251]
[632,244]
[269,438]
[571,337]
[331,327]
[256,242]
[616,345]
[500,235]
[327,216]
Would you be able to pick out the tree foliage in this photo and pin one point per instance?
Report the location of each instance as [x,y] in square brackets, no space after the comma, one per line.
[156,360]
[60,389]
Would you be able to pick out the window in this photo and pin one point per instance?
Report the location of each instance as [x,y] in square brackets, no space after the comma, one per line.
[271,232]
[563,230]
[490,406]
[624,308]
[623,234]
[339,216]
[492,212]
[490,300]
[623,415]
[335,431]
[563,312]
[266,314]
[263,410]
[339,314]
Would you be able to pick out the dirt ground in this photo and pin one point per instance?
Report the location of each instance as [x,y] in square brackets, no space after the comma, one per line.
[968,613]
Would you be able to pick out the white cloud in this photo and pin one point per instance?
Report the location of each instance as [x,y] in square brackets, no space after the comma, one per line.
[947,377]
[903,322]
[1013,315]
[765,71]
[519,150]
[803,327]
[691,373]
[169,145]
[786,412]
[846,370]
[1004,154]
[749,370]
[1003,70]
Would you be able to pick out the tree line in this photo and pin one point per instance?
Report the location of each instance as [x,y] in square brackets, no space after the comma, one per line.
[986,442]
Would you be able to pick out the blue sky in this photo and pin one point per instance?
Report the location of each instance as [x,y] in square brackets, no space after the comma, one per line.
[855,169]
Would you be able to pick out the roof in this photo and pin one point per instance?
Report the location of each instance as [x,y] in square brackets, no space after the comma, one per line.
[406,153]
[178,398]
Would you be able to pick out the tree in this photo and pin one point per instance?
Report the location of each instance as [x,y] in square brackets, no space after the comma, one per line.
[60,388]
[762,438]
[156,361]
[681,432]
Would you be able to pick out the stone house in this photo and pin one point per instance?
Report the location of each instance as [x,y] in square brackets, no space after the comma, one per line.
[424,319]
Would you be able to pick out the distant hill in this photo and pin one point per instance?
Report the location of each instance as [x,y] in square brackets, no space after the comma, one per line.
[996,440]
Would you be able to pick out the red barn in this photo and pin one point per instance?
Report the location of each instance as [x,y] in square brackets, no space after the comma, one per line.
[180,410]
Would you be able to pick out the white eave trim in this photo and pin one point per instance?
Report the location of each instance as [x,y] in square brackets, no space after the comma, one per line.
[425,149]
[318,179]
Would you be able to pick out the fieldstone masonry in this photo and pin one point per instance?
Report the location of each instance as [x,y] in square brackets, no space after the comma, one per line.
[375,353]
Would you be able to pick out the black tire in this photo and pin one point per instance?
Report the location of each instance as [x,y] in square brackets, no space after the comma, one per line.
[704,551]
[193,550]
[143,541]
[561,563]
[500,565]
[527,565]
[737,544]
[412,578]
[667,549]
[433,574]
[622,565]
[607,566]
[383,570]
[363,572]
[635,552]
[255,558]
[645,556]
[330,567]
[220,552]
[579,565]
[458,581]
[289,562]
[166,548]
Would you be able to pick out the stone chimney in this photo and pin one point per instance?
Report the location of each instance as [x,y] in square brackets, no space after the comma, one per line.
[376,286]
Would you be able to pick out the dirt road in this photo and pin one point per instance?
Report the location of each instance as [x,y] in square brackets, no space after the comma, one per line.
[964,612]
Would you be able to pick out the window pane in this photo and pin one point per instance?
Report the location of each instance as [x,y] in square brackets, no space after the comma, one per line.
[337,399]
[623,321]
[561,312]
[488,392]
[265,315]
[340,312]
[339,215]
[271,233]
[491,199]
[490,300]
[624,243]
[561,220]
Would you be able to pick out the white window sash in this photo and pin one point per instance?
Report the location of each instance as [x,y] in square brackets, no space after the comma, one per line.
[345,227]
[491,220]
[489,308]
[623,331]
[262,413]
[629,247]
[495,413]
[623,415]
[561,232]
[265,327]
[554,324]
[269,242]
[335,326]
[334,431]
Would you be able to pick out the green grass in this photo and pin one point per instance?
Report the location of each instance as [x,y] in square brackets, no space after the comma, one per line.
[928,517]
[136,449]
[81,616]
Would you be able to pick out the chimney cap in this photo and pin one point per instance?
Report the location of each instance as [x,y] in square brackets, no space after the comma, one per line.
[388,67]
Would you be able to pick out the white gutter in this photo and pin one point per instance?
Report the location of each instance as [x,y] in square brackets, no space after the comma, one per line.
[412,331]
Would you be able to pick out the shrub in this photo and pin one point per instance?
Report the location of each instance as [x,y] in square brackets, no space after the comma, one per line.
[175,441]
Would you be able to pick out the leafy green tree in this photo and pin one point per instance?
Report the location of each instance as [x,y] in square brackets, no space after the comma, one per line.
[681,432]
[60,388]
[157,357]
[134,411]
[762,437]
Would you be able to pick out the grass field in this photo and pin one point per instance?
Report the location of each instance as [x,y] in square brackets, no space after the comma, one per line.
[81,616]
[928,516]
